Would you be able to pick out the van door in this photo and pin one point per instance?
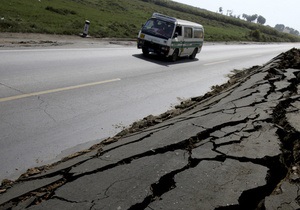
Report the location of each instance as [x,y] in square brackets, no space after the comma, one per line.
[187,41]
[177,41]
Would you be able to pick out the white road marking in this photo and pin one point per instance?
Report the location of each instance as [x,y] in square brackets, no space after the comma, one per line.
[218,62]
[57,90]
[256,56]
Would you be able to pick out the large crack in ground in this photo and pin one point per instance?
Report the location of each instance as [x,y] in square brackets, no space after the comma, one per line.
[221,153]
[252,199]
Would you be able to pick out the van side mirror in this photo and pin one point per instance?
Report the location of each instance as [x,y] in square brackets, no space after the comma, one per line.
[175,35]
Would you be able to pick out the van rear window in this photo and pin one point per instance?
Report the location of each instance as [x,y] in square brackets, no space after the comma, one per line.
[198,33]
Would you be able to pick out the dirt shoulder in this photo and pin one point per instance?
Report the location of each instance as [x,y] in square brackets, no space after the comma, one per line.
[30,40]
[33,40]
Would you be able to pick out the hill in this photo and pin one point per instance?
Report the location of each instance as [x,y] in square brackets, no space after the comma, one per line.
[123,19]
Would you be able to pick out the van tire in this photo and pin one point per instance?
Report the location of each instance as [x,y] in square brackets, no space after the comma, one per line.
[174,56]
[145,51]
[193,55]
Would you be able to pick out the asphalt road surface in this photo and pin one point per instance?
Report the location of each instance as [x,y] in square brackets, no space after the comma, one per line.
[54,102]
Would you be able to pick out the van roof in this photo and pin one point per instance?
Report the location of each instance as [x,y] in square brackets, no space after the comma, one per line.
[188,23]
[178,21]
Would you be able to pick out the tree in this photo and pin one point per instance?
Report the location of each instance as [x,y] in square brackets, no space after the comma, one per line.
[229,13]
[261,20]
[221,10]
[253,18]
[250,18]
[292,31]
[286,29]
[247,17]
[280,27]
[295,32]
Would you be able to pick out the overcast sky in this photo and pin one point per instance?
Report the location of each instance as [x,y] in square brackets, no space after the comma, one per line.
[274,11]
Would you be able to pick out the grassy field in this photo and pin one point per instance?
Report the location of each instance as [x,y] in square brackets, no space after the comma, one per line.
[123,19]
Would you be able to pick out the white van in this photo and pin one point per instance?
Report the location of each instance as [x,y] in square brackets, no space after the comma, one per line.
[170,37]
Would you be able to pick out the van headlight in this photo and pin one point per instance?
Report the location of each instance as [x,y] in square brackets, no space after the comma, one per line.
[165,48]
[140,41]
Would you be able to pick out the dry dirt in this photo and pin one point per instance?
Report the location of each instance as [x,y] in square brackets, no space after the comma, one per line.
[28,40]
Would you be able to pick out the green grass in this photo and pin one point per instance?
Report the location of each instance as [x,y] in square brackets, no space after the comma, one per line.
[123,19]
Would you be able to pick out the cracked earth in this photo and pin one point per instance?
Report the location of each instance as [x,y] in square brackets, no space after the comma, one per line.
[236,148]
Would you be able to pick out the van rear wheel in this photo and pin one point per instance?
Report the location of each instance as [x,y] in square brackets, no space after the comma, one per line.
[193,55]
[174,56]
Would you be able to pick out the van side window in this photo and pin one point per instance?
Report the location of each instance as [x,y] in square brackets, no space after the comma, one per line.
[178,30]
[188,32]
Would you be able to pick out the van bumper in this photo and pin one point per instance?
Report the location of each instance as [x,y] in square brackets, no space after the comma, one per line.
[153,47]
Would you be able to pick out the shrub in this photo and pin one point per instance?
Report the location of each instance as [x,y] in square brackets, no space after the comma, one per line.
[256,35]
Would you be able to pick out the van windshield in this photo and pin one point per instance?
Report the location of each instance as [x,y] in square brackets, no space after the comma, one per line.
[159,28]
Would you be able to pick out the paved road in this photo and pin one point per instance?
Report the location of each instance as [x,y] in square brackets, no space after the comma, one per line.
[238,149]
[57,101]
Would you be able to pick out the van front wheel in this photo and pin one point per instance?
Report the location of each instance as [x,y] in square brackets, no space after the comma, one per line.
[145,51]
[174,56]
[193,55]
